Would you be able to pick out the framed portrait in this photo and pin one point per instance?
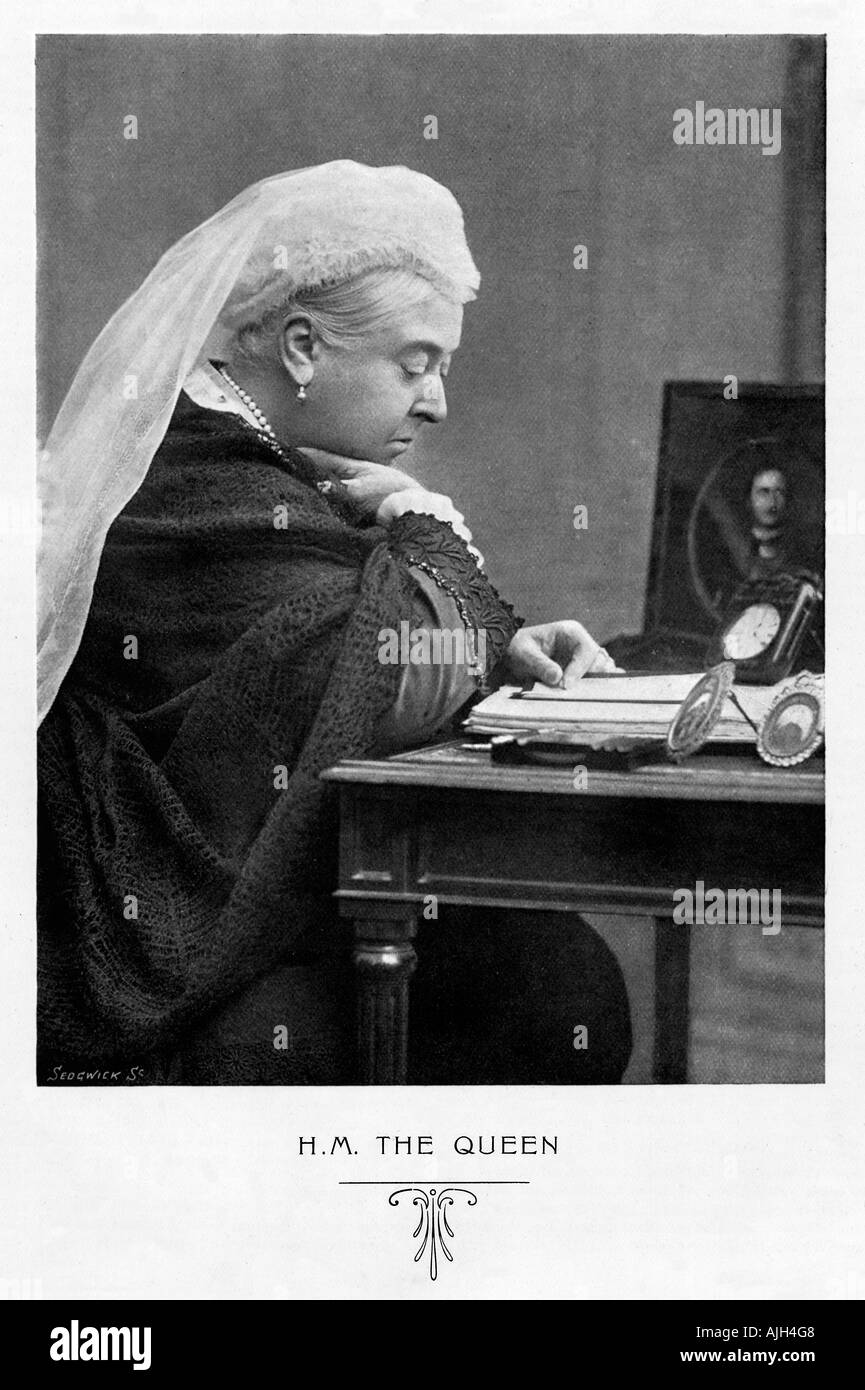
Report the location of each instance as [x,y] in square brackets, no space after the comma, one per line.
[739,496]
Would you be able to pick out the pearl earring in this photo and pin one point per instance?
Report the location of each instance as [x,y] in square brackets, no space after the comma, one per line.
[301,394]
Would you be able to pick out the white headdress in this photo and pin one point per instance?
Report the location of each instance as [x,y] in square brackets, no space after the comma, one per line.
[305,228]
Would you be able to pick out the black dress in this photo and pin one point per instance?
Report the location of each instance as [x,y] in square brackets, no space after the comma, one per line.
[186,841]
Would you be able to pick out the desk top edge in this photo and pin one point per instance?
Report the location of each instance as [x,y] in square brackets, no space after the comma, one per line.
[448,767]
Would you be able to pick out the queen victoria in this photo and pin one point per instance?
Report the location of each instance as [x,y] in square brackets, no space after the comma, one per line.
[231,521]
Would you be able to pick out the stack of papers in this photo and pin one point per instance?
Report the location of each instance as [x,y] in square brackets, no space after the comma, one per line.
[640,706]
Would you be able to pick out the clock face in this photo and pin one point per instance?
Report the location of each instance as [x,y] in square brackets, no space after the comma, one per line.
[753,631]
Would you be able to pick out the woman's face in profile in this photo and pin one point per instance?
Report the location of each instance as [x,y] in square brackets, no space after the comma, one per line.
[371,400]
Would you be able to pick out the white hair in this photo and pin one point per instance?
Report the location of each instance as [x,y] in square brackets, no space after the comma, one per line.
[343,315]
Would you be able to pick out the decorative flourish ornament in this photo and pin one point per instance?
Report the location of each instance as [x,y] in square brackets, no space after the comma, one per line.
[792,729]
[433,1226]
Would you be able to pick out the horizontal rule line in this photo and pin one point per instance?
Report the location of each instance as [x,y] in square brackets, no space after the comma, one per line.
[437,1182]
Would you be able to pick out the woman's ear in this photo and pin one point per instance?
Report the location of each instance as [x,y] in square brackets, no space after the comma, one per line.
[298,348]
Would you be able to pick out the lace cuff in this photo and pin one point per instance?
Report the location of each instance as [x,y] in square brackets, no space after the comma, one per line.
[431,545]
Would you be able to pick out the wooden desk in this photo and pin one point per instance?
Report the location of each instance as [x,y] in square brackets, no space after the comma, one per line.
[445,822]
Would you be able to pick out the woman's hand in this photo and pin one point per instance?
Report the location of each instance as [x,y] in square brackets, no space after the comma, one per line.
[556,654]
[367,484]
[386,493]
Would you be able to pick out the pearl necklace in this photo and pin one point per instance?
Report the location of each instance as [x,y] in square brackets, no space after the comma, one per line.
[263,424]
[264,428]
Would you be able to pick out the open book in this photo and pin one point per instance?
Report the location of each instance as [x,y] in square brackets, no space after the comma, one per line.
[598,706]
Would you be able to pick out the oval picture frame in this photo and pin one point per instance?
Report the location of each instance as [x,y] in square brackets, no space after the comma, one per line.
[783,739]
[700,711]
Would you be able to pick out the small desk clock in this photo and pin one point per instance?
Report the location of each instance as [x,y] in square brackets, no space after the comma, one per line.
[764,626]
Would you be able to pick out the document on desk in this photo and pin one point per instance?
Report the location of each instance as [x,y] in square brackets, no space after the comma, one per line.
[638,705]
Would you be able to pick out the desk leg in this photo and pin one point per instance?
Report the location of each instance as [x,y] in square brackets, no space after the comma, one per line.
[385,961]
[672,979]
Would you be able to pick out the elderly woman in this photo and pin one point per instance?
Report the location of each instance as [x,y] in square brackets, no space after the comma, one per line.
[226,539]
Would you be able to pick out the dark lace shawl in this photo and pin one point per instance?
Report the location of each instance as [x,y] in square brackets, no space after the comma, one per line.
[177,860]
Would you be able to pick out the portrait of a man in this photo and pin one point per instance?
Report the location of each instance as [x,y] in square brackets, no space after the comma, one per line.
[757,515]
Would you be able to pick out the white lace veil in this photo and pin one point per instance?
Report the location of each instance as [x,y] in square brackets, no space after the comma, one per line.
[294,231]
